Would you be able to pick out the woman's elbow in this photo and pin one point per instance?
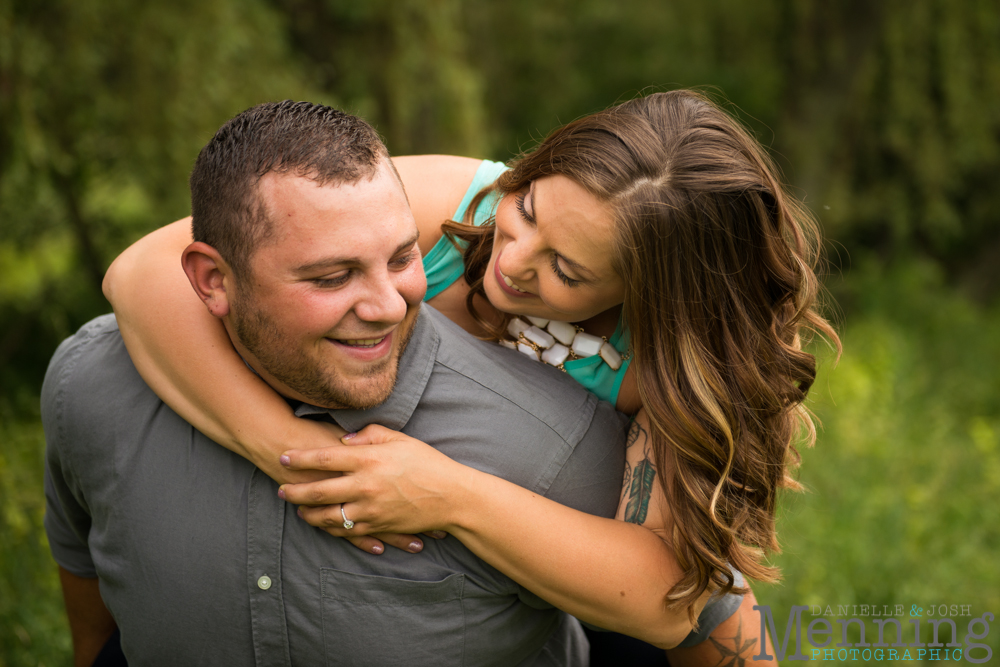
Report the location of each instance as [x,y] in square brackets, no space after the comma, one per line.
[666,634]
[111,280]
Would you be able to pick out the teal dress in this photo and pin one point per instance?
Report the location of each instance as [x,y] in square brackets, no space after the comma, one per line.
[443,266]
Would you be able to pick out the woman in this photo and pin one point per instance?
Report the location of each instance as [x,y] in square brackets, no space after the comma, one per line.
[657,224]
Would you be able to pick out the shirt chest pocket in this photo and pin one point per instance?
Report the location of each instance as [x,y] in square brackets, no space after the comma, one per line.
[370,620]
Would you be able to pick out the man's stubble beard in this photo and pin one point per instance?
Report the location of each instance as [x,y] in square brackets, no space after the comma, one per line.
[322,387]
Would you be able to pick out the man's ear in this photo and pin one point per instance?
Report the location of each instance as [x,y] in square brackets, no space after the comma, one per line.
[209,275]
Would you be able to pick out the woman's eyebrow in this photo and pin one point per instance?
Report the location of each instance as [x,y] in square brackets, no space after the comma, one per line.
[576,266]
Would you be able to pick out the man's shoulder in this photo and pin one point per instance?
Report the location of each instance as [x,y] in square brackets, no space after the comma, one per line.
[538,389]
[88,367]
[98,336]
[556,438]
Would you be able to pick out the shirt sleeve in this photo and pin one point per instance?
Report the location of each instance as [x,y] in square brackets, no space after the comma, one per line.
[67,519]
[715,611]
[591,478]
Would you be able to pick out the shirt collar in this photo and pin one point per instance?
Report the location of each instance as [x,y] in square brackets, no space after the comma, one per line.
[414,371]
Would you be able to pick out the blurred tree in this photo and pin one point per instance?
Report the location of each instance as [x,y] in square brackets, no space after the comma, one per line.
[883,114]
[912,150]
[402,64]
[104,106]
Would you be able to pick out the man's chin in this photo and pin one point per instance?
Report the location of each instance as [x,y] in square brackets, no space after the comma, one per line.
[367,395]
[369,388]
[327,379]
[352,392]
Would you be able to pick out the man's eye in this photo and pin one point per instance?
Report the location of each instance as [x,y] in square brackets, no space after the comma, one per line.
[404,260]
[336,281]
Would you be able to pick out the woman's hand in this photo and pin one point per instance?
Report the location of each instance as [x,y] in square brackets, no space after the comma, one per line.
[317,435]
[390,483]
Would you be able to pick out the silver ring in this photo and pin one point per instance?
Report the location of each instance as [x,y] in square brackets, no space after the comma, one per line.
[348,524]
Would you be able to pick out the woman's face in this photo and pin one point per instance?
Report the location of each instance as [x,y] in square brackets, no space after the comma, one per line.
[552,253]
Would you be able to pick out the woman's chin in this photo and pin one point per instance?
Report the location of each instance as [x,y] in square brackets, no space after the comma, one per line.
[523,306]
[515,306]
[499,298]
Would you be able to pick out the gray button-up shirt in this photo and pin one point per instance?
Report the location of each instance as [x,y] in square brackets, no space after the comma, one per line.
[201,564]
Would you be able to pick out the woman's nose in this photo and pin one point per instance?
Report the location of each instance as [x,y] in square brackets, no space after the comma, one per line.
[520,256]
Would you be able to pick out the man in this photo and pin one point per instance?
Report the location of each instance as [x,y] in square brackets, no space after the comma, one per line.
[306,249]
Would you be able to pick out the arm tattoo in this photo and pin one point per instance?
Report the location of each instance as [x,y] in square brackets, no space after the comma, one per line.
[739,654]
[637,487]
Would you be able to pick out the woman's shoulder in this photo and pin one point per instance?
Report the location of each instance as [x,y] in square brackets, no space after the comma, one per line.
[628,400]
[435,186]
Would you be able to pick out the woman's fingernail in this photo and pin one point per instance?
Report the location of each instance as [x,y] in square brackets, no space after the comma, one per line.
[377,549]
[438,534]
[281,492]
[348,436]
[299,512]
[285,459]
[415,546]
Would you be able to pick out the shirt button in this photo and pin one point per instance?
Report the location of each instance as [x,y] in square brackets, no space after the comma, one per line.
[264,583]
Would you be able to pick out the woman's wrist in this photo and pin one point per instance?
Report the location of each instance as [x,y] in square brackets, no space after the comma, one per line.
[264,448]
[470,500]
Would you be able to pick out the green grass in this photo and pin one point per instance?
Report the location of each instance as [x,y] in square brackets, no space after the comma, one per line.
[903,504]
[33,627]
[904,481]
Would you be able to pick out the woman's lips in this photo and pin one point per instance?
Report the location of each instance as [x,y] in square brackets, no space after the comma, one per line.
[503,283]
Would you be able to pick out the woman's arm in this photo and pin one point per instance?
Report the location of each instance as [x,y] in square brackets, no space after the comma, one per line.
[184,354]
[610,573]
[733,642]
[435,185]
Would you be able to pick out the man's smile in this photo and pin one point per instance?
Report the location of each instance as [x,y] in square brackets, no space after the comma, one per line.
[365,350]
[361,342]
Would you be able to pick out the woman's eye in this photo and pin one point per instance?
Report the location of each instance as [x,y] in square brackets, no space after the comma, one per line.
[569,282]
[519,202]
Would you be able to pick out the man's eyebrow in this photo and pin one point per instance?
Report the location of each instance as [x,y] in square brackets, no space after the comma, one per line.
[328,262]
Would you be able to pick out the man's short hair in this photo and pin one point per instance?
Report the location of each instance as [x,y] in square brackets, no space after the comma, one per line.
[298,138]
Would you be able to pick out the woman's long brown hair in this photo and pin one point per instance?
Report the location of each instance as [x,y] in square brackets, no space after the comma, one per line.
[719,265]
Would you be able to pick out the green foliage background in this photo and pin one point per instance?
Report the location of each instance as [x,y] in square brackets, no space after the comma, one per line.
[885,116]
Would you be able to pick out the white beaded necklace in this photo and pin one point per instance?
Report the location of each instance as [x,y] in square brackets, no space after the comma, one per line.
[555,342]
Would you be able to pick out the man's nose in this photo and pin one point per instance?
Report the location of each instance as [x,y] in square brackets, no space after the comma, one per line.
[382,301]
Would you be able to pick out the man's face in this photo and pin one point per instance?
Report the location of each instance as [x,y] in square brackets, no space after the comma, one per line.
[334,293]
